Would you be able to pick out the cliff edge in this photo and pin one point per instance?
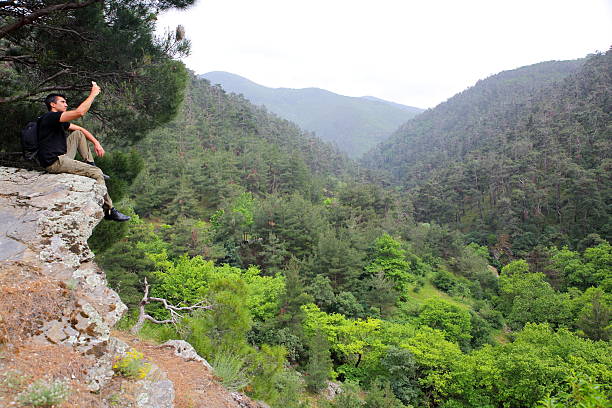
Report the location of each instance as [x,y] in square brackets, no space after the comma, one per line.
[57,312]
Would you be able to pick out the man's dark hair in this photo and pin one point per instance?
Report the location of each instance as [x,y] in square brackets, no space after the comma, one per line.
[51,99]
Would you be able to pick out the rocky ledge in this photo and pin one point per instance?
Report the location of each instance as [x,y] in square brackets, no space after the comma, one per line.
[51,292]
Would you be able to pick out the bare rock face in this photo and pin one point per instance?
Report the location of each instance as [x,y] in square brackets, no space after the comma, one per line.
[47,218]
[332,390]
[46,267]
[155,391]
[186,352]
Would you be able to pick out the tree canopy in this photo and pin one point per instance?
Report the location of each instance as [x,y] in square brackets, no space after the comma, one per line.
[56,46]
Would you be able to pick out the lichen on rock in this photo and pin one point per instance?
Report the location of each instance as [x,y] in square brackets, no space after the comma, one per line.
[47,267]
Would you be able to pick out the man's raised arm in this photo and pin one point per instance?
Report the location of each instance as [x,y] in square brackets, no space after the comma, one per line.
[83,107]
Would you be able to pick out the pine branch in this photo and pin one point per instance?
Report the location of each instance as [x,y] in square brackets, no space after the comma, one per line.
[26,95]
[17,58]
[30,18]
[66,30]
[52,77]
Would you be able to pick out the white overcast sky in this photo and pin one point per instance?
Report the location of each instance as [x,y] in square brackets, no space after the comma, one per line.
[418,53]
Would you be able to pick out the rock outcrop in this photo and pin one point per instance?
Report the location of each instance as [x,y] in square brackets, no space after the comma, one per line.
[57,312]
[52,291]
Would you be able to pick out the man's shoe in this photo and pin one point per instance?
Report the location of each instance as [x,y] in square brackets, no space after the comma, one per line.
[115,215]
[106,176]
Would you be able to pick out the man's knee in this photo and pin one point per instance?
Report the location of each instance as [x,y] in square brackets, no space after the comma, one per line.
[66,165]
[96,173]
[77,134]
[91,172]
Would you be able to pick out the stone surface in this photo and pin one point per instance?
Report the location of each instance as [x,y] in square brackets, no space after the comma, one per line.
[245,402]
[47,217]
[105,355]
[186,352]
[332,390]
[45,221]
[155,391]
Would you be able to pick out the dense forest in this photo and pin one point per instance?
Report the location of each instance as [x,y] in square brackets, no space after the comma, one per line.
[523,155]
[465,263]
[319,270]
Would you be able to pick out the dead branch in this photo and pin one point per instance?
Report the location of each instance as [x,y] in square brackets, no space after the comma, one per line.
[30,18]
[174,315]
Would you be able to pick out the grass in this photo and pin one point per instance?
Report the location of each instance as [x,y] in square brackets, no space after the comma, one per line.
[428,290]
[230,369]
[13,380]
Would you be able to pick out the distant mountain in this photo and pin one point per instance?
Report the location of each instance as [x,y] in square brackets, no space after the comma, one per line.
[354,124]
[524,153]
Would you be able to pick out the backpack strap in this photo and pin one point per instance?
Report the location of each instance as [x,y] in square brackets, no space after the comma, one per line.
[38,119]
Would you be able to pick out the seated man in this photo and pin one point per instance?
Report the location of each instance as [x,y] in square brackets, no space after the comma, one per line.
[56,152]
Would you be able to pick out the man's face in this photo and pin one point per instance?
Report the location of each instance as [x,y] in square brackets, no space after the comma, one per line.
[60,105]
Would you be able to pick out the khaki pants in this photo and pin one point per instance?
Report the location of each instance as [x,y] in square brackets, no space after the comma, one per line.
[65,163]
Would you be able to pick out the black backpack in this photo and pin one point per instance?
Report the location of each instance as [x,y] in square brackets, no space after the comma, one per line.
[29,140]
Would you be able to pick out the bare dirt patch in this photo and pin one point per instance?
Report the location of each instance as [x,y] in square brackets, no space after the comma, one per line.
[28,300]
[24,365]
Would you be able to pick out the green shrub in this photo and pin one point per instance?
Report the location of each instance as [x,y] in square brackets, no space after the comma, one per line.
[581,392]
[265,367]
[381,396]
[229,368]
[290,386]
[348,398]
[319,363]
[42,393]
[402,377]
[444,280]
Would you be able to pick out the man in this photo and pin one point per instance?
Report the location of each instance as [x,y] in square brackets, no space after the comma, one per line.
[56,151]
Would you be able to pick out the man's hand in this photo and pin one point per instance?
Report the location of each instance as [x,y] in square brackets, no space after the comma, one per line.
[79,112]
[98,149]
[95,89]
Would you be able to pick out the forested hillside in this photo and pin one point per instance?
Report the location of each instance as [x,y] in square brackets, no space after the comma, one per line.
[221,146]
[354,124]
[519,160]
[317,271]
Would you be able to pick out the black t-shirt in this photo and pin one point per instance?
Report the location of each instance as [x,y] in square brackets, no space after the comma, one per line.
[51,138]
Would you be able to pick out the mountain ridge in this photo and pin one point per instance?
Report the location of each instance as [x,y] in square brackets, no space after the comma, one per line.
[354,124]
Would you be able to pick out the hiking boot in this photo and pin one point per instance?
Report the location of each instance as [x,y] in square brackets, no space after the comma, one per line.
[106,177]
[115,215]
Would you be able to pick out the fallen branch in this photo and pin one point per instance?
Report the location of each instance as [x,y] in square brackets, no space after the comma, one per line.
[174,315]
